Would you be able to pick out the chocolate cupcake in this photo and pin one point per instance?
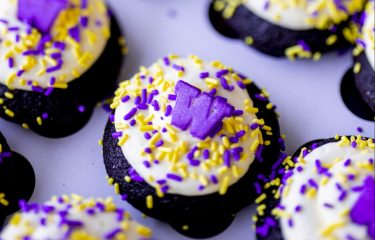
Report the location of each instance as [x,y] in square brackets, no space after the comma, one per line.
[303,29]
[187,142]
[60,59]
[74,218]
[326,191]
[17,180]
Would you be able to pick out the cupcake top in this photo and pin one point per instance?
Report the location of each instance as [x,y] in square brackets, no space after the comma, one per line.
[302,14]
[187,126]
[47,44]
[73,218]
[368,33]
[330,192]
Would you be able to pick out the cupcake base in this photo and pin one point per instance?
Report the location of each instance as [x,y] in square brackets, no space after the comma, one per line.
[17,180]
[365,82]
[268,228]
[199,216]
[65,111]
[269,38]
[353,98]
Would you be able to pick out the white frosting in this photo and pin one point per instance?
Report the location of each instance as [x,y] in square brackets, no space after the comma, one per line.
[92,43]
[96,226]
[369,33]
[314,216]
[136,143]
[300,15]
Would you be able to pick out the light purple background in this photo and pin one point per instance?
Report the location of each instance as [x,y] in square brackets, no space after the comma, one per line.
[307,95]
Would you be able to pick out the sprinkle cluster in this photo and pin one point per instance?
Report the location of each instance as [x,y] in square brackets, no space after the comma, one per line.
[365,35]
[302,194]
[40,62]
[322,15]
[74,218]
[170,159]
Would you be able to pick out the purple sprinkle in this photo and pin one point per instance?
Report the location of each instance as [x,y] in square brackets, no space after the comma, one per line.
[303,189]
[130,114]
[328,205]
[165,188]
[161,181]
[116,134]
[222,73]
[347,163]
[148,150]
[342,196]
[194,162]
[132,122]
[137,100]
[254,126]
[125,98]
[172,97]
[206,154]
[226,158]
[45,115]
[359,129]
[10,62]
[81,108]
[174,177]
[298,208]
[166,61]
[147,164]
[113,233]
[204,75]
[178,68]
[147,136]
[142,106]
[159,143]
[168,111]
[354,144]
[237,113]
[214,179]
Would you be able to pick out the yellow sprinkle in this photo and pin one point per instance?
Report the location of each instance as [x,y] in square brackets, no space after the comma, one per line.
[9,113]
[143,231]
[127,179]
[249,40]
[331,40]
[15,220]
[185,227]
[224,186]
[110,181]
[39,121]
[260,198]
[331,228]
[357,67]
[149,202]
[254,146]
[117,188]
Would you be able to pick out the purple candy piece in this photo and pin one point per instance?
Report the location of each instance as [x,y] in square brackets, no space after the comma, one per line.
[74,33]
[361,213]
[40,14]
[202,112]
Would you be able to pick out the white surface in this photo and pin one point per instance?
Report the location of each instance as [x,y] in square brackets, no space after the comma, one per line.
[307,95]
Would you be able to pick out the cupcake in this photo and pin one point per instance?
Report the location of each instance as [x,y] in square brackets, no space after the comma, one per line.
[188,140]
[296,29]
[59,59]
[327,191]
[17,180]
[73,218]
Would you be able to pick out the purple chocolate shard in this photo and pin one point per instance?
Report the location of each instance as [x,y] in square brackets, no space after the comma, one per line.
[363,211]
[202,112]
[40,14]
